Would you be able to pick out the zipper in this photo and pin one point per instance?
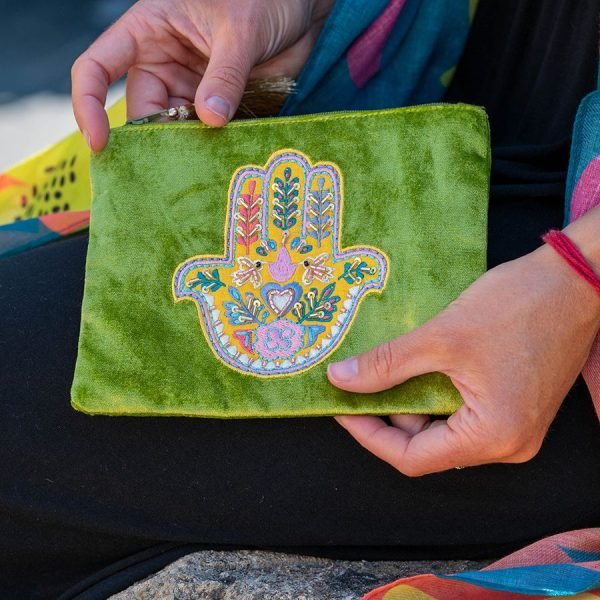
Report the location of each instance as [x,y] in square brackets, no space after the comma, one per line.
[187,114]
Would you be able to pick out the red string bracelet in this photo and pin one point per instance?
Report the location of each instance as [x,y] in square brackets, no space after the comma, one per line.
[569,251]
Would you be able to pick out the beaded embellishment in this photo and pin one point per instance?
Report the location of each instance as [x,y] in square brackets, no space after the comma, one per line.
[285,294]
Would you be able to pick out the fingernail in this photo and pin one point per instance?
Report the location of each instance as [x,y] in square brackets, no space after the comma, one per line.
[219,106]
[88,139]
[345,370]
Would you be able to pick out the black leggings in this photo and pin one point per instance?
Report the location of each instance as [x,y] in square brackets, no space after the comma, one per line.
[90,504]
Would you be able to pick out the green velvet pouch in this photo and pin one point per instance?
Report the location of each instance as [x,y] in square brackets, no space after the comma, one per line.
[227,267]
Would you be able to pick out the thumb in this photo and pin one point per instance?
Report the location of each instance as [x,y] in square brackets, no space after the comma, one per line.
[386,365]
[220,91]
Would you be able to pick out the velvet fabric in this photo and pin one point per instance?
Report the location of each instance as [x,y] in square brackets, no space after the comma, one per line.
[415,186]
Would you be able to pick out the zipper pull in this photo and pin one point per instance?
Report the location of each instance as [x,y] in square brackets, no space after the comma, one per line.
[185,112]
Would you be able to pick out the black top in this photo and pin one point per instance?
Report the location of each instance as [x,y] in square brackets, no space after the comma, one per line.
[529,63]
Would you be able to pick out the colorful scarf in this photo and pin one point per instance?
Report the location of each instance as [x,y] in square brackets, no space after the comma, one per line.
[48,196]
[583,194]
[564,565]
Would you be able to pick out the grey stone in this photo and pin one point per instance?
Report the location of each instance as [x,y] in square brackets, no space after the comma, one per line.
[257,575]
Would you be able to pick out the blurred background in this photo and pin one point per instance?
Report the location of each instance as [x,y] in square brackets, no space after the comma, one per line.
[39,40]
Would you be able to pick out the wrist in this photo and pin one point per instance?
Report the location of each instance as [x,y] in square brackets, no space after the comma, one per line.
[585,234]
[562,277]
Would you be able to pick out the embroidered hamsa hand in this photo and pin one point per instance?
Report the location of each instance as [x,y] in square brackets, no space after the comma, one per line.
[285,294]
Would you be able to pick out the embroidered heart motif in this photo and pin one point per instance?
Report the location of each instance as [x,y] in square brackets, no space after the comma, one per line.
[281,298]
[279,301]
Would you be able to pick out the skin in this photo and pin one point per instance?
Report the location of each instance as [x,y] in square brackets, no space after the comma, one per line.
[186,51]
[512,343]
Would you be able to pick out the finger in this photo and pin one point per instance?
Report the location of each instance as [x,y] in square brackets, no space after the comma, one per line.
[386,365]
[175,101]
[382,440]
[93,72]
[434,449]
[412,424]
[220,91]
[180,80]
[146,93]
[154,87]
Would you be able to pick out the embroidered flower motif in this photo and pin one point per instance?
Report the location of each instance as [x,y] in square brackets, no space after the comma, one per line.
[280,339]
[283,268]
[284,295]
[316,268]
[249,271]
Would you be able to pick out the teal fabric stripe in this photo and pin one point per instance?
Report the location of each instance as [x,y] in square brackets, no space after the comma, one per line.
[586,142]
[550,580]
[423,46]
[347,20]
[580,556]
[23,235]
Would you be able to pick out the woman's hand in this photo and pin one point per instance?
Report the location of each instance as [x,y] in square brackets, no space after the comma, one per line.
[513,344]
[200,51]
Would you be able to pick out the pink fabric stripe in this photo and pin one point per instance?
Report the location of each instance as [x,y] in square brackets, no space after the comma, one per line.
[550,550]
[585,197]
[586,194]
[591,374]
[364,55]
[66,222]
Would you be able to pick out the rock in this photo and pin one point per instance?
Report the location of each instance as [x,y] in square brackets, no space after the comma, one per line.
[257,575]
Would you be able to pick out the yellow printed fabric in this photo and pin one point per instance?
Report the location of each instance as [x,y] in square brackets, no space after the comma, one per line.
[55,180]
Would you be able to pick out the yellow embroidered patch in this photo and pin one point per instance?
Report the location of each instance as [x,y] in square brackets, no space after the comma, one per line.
[285,294]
